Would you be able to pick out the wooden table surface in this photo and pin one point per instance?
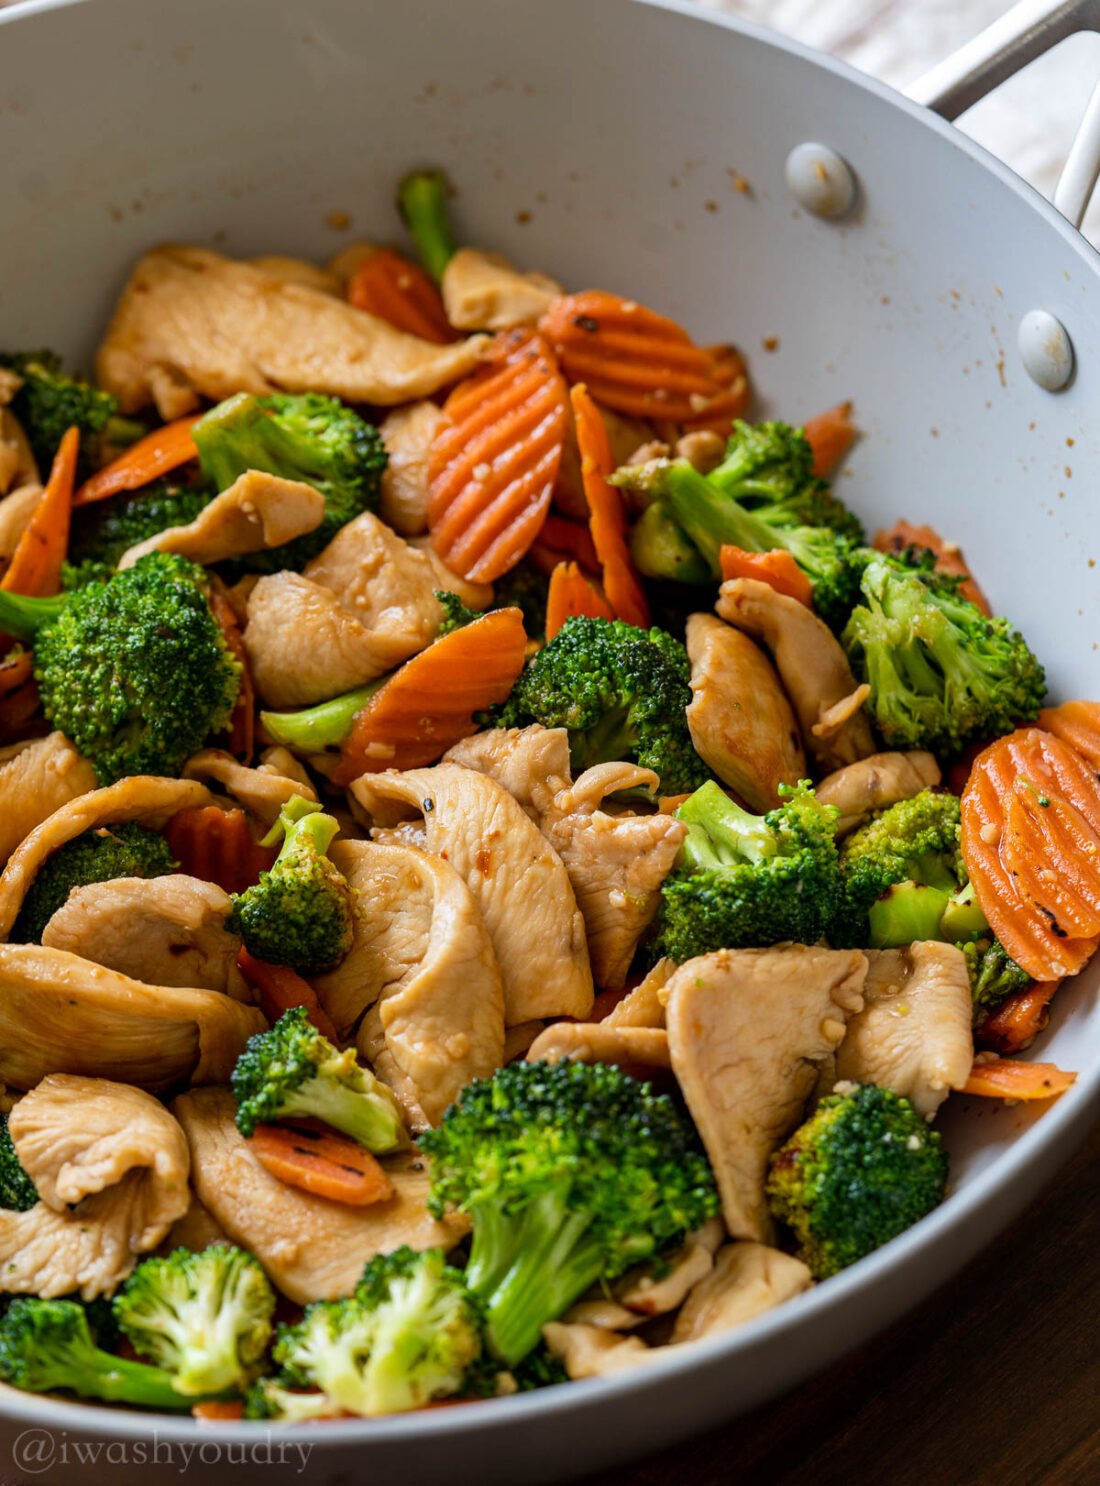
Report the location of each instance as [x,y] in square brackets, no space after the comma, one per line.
[994,1381]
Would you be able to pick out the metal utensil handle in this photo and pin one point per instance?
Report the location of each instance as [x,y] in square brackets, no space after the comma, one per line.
[1023,33]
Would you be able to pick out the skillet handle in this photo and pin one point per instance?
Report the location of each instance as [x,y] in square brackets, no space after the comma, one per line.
[1023,33]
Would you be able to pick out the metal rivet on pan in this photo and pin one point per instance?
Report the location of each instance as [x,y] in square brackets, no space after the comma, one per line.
[820,180]
[1045,349]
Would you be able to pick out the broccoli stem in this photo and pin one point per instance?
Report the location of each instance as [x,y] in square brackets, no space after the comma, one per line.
[963,918]
[421,200]
[316,728]
[907,913]
[118,1380]
[720,833]
[368,1118]
[23,617]
[661,550]
[710,518]
[121,432]
[301,820]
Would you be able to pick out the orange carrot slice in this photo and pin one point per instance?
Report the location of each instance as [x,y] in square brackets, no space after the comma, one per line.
[15,672]
[310,1156]
[35,567]
[830,434]
[393,289]
[1019,1019]
[777,568]
[570,594]
[157,454]
[632,359]
[218,1410]
[1078,724]
[242,724]
[493,463]
[949,558]
[730,401]
[1033,863]
[606,514]
[1010,1078]
[429,703]
[281,989]
[217,846]
[571,540]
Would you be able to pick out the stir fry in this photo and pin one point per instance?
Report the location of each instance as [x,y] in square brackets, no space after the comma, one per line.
[501,873]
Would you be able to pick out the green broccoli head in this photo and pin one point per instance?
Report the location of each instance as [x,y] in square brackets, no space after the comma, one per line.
[621,692]
[864,1167]
[17,1192]
[102,532]
[301,436]
[204,1318]
[903,878]
[134,671]
[292,1071]
[47,1345]
[300,913]
[49,402]
[524,588]
[456,614]
[941,674]
[570,1172]
[769,468]
[748,880]
[422,203]
[98,855]
[994,974]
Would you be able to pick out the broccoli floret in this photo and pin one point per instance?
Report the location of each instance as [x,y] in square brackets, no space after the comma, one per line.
[456,614]
[994,974]
[49,402]
[711,518]
[524,588]
[539,1369]
[746,880]
[300,437]
[769,468]
[292,1071]
[570,1173]
[621,692]
[98,855]
[204,1318]
[941,674]
[17,1192]
[422,203]
[134,671]
[864,1167]
[47,1344]
[903,878]
[102,532]
[300,912]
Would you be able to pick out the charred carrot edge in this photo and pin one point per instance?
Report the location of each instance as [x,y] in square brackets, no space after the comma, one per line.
[35,567]
[242,724]
[429,703]
[217,846]
[777,569]
[1019,1019]
[15,672]
[396,290]
[632,359]
[157,454]
[730,401]
[606,515]
[830,435]
[571,540]
[1078,724]
[322,1162]
[1011,1078]
[570,594]
[215,1411]
[949,558]
[281,989]
[1001,836]
[493,463]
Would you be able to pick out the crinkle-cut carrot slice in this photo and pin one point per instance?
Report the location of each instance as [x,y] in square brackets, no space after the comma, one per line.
[730,401]
[242,724]
[998,841]
[394,289]
[157,454]
[493,463]
[1011,1078]
[949,557]
[1078,724]
[570,594]
[281,989]
[317,1159]
[217,846]
[429,703]
[606,515]
[632,359]
[830,435]
[777,569]
[35,567]
[1019,1019]
[568,541]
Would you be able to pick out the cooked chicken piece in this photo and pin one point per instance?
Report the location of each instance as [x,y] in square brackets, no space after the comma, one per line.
[914,1034]
[151,801]
[517,881]
[747,1030]
[312,1249]
[111,1166]
[519,1038]
[36,779]
[643,1007]
[16,510]
[299,271]
[257,512]
[654,1290]
[811,664]
[60,1013]
[168,931]
[262,791]
[625,435]
[192,324]
[531,763]
[875,782]
[607,1315]
[19,476]
[747,1279]
[407,434]
[196,1230]
[616,863]
[422,968]
[482,291]
[596,1042]
[740,720]
[591,1352]
[405,833]
[703,450]
[10,383]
